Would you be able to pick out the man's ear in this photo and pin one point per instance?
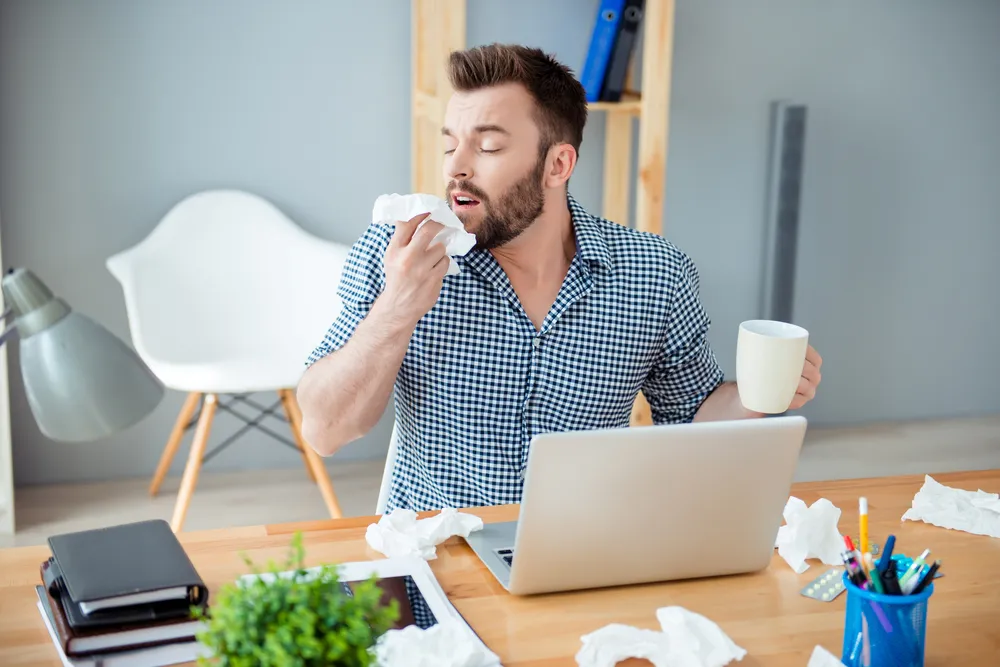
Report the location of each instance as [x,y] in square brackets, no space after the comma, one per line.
[560,163]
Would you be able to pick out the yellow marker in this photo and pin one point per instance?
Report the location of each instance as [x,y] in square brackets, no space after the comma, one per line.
[863,517]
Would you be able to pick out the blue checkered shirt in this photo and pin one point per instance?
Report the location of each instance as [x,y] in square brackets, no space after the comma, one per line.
[478,381]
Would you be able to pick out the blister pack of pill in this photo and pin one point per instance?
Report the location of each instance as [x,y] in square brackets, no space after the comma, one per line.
[826,587]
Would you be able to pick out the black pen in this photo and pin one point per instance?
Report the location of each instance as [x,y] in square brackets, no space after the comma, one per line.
[927,578]
[890,580]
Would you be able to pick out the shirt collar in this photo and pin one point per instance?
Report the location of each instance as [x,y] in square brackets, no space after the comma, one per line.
[591,244]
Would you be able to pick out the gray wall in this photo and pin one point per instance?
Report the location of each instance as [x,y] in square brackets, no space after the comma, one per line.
[110,112]
[899,257]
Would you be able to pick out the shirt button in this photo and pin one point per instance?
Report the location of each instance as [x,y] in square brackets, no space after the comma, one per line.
[537,342]
[521,473]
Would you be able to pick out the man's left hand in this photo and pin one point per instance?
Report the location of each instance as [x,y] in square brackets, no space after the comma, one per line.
[809,381]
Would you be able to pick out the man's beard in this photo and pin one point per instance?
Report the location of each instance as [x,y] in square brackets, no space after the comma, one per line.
[513,212]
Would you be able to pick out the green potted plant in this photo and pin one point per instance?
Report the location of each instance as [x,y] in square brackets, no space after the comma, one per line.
[307,619]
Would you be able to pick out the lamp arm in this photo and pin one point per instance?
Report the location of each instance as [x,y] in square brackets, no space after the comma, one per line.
[9,331]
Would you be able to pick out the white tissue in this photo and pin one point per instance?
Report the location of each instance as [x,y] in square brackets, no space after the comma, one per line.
[687,639]
[390,209]
[975,512]
[399,533]
[823,658]
[810,533]
[447,644]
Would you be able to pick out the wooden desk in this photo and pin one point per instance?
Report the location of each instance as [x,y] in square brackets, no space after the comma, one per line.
[762,612]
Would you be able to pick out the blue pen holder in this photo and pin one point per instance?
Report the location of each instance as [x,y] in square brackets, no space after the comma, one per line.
[884,630]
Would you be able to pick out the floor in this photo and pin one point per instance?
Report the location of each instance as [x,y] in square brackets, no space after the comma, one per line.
[220,500]
[273,496]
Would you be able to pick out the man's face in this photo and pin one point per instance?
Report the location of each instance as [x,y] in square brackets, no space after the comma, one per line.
[492,165]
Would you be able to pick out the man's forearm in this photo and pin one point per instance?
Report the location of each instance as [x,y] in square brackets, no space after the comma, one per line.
[724,404]
[344,394]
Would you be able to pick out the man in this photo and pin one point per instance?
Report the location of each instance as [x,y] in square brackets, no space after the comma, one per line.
[556,322]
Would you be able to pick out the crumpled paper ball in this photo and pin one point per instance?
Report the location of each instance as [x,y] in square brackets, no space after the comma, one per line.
[686,639]
[446,644]
[399,533]
[976,512]
[810,532]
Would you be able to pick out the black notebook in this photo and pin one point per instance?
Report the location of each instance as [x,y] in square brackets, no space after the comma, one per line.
[134,569]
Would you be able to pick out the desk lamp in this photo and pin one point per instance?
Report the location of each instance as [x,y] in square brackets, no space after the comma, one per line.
[82,382]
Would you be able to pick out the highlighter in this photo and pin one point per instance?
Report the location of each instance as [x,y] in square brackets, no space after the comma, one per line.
[913,569]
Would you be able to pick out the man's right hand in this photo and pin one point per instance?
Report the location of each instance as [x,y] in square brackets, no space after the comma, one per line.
[414,271]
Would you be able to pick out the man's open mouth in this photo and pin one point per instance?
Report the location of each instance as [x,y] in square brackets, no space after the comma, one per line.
[463,201]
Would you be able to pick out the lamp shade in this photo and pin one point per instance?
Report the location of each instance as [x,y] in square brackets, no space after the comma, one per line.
[82,382]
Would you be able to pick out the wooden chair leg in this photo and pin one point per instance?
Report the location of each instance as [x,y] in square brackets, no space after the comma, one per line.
[195,457]
[313,460]
[285,395]
[174,441]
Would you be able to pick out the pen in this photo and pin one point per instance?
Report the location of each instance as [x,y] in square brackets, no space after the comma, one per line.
[854,573]
[883,561]
[914,568]
[927,578]
[850,546]
[863,519]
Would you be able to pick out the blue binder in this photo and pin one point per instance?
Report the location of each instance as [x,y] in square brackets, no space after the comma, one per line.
[602,44]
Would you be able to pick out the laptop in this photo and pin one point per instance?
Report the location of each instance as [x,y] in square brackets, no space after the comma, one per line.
[646,504]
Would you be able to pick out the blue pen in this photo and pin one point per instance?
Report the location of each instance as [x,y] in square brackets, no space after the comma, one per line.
[883,561]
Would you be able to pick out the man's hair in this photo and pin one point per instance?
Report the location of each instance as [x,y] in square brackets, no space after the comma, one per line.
[560,100]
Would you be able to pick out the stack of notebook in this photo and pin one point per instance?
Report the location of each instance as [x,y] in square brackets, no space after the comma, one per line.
[121,596]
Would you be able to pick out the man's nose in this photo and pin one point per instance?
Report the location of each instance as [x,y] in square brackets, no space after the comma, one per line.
[458,166]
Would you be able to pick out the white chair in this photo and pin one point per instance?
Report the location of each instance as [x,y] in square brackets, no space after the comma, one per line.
[226,297]
[390,463]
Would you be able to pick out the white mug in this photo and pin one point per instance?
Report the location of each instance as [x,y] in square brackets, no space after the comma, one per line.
[769,360]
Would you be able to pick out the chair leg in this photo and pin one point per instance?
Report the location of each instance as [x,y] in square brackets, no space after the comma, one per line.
[180,426]
[195,457]
[293,419]
[313,461]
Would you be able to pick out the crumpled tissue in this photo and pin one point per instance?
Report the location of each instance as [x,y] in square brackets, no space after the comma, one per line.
[823,658]
[390,209]
[446,644]
[975,512]
[688,639]
[810,533]
[399,533]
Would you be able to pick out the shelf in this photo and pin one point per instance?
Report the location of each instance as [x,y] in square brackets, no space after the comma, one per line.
[631,104]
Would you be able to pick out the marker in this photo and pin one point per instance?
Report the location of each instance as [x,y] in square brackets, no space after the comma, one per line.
[863,518]
[890,582]
[914,569]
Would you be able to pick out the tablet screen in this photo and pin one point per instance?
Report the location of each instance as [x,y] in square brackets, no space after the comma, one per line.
[413,609]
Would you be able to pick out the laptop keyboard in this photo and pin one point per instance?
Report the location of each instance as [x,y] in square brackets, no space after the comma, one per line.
[507,555]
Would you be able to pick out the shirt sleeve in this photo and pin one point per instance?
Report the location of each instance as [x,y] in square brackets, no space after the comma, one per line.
[686,371]
[361,283]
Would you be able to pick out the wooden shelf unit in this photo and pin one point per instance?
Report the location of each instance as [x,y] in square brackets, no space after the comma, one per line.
[438,28]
